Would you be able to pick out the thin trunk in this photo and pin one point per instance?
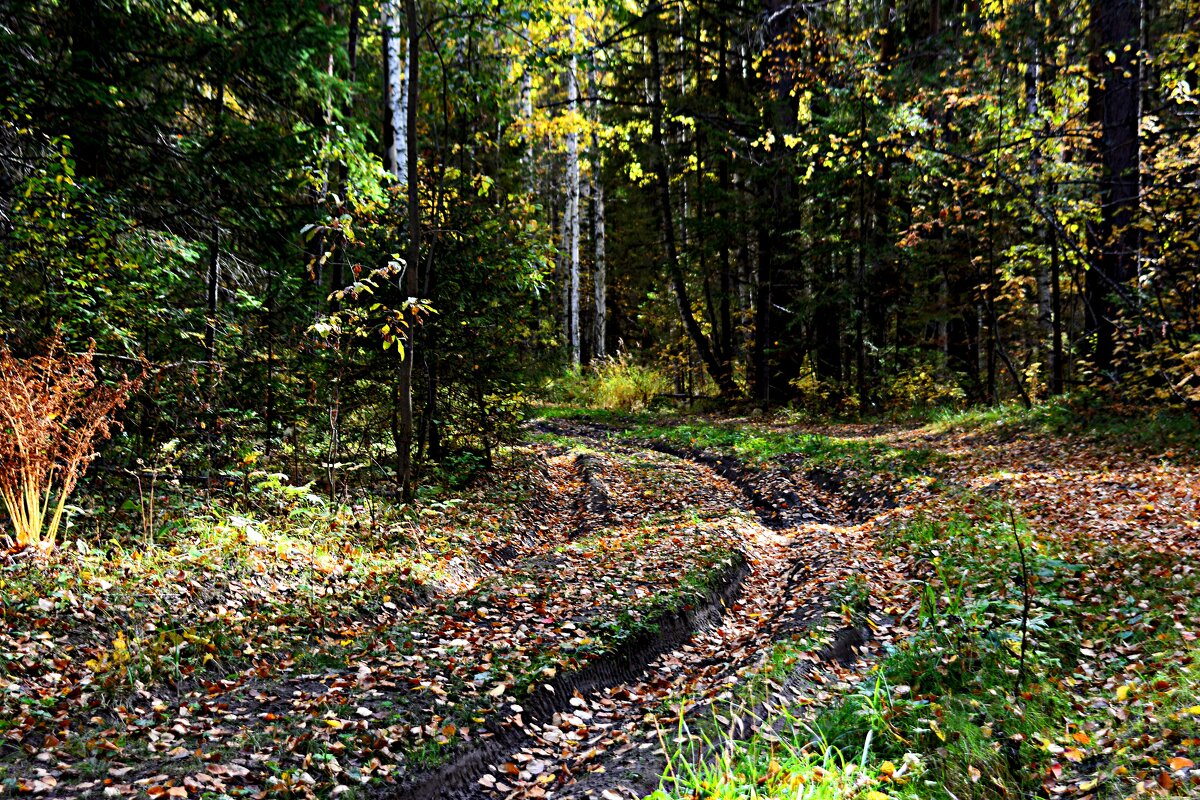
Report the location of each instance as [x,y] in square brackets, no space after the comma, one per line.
[213,299]
[337,274]
[725,231]
[404,456]
[599,266]
[213,295]
[562,269]
[398,96]
[527,119]
[1033,86]
[1057,383]
[572,218]
[860,292]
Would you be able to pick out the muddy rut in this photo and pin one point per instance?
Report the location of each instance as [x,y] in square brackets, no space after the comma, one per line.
[599,732]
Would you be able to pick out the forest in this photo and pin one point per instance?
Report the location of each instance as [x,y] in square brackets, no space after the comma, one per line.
[670,399]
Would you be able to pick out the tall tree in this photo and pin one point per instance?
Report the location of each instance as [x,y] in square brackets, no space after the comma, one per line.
[1117,65]
[571,220]
[396,94]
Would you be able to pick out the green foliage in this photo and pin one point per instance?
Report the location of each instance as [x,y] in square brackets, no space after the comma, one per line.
[1165,429]
[614,384]
[784,758]
[758,445]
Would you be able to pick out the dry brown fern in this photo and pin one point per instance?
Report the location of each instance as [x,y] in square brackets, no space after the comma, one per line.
[53,411]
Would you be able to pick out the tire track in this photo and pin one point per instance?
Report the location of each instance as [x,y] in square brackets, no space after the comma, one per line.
[791,566]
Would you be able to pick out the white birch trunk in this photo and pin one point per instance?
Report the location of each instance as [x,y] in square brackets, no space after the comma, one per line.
[527,118]
[397,94]
[572,210]
[1045,305]
[599,272]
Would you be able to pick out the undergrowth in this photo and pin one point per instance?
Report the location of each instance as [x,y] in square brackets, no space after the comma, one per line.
[1011,682]
[615,384]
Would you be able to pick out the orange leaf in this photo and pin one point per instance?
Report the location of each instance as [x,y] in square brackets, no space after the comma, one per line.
[1081,737]
[1180,762]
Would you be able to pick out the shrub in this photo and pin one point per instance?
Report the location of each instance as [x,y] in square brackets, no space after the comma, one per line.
[615,384]
[52,411]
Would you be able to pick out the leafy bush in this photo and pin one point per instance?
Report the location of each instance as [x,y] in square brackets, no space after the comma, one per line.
[615,384]
[920,389]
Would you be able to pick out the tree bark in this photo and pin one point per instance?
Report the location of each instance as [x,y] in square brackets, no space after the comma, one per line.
[1116,69]
[572,210]
[397,97]
[599,265]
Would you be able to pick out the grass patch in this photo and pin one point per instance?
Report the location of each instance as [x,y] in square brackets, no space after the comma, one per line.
[614,384]
[784,759]
[1004,703]
[1156,430]
[760,446]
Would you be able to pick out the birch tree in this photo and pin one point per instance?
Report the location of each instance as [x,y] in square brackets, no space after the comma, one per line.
[599,268]
[571,222]
[396,95]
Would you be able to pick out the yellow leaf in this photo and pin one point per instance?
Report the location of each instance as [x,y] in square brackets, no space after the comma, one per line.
[1123,692]
[336,724]
[937,729]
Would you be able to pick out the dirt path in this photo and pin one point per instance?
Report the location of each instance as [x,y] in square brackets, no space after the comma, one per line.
[607,742]
[547,662]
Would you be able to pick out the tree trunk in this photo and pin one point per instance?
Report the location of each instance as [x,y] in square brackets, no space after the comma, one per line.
[599,267]
[337,272]
[572,210]
[1117,36]
[1045,230]
[397,98]
[527,119]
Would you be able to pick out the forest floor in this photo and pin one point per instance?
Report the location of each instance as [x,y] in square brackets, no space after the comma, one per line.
[696,606]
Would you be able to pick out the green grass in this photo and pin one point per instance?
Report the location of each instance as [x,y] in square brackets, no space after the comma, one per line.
[954,692]
[756,445]
[1156,430]
[784,759]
